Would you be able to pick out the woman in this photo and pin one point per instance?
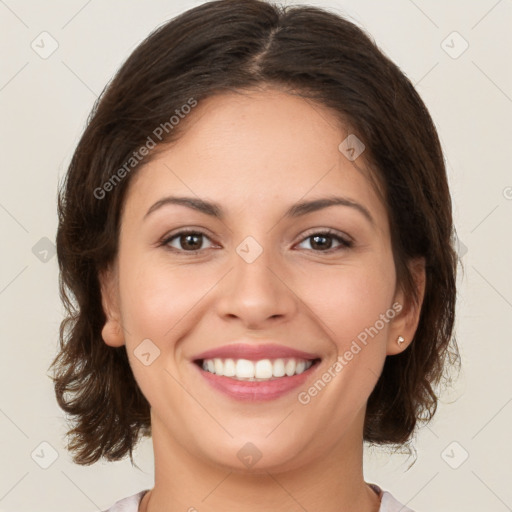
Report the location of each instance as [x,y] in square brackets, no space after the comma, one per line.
[256,229]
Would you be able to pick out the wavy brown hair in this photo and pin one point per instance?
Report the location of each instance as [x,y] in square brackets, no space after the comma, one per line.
[236,45]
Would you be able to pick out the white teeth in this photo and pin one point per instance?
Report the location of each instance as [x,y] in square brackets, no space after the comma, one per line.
[217,363]
[244,369]
[290,367]
[278,368]
[264,369]
[229,368]
[301,366]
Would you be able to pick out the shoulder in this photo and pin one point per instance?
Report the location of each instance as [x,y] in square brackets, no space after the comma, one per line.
[129,504]
[388,503]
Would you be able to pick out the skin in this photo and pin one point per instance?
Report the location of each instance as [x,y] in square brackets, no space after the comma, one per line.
[256,154]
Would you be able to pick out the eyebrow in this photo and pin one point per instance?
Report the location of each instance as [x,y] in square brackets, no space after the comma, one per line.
[296,210]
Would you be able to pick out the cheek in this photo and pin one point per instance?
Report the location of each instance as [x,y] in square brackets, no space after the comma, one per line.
[355,306]
[351,299]
[160,303]
[157,297]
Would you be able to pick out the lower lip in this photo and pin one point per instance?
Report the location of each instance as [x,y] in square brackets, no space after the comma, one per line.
[255,391]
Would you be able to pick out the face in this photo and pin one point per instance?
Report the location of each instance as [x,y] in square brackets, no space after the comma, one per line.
[252,312]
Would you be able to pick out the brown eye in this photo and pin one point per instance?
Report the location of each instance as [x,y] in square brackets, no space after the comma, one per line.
[186,241]
[323,242]
[193,242]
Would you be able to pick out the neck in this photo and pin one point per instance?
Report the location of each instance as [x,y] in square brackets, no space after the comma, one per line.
[332,482]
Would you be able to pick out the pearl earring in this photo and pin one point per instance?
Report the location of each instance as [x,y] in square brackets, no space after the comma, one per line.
[400,340]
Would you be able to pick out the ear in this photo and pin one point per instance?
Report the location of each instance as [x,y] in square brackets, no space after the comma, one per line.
[405,323]
[112,332]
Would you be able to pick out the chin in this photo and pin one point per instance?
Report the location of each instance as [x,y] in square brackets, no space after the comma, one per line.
[257,455]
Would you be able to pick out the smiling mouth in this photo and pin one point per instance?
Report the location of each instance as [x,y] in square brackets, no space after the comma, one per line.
[261,370]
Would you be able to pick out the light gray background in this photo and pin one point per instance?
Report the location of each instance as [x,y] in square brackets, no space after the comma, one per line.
[44,105]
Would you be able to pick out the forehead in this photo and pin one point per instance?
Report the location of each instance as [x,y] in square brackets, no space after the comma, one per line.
[253,149]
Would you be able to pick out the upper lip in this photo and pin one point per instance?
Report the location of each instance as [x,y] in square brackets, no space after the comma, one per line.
[254,352]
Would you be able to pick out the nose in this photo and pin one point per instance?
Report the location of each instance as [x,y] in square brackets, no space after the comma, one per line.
[256,293]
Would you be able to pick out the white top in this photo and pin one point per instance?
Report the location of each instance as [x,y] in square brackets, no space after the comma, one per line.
[387,502]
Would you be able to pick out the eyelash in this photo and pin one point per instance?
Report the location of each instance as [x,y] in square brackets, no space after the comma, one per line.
[344,243]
